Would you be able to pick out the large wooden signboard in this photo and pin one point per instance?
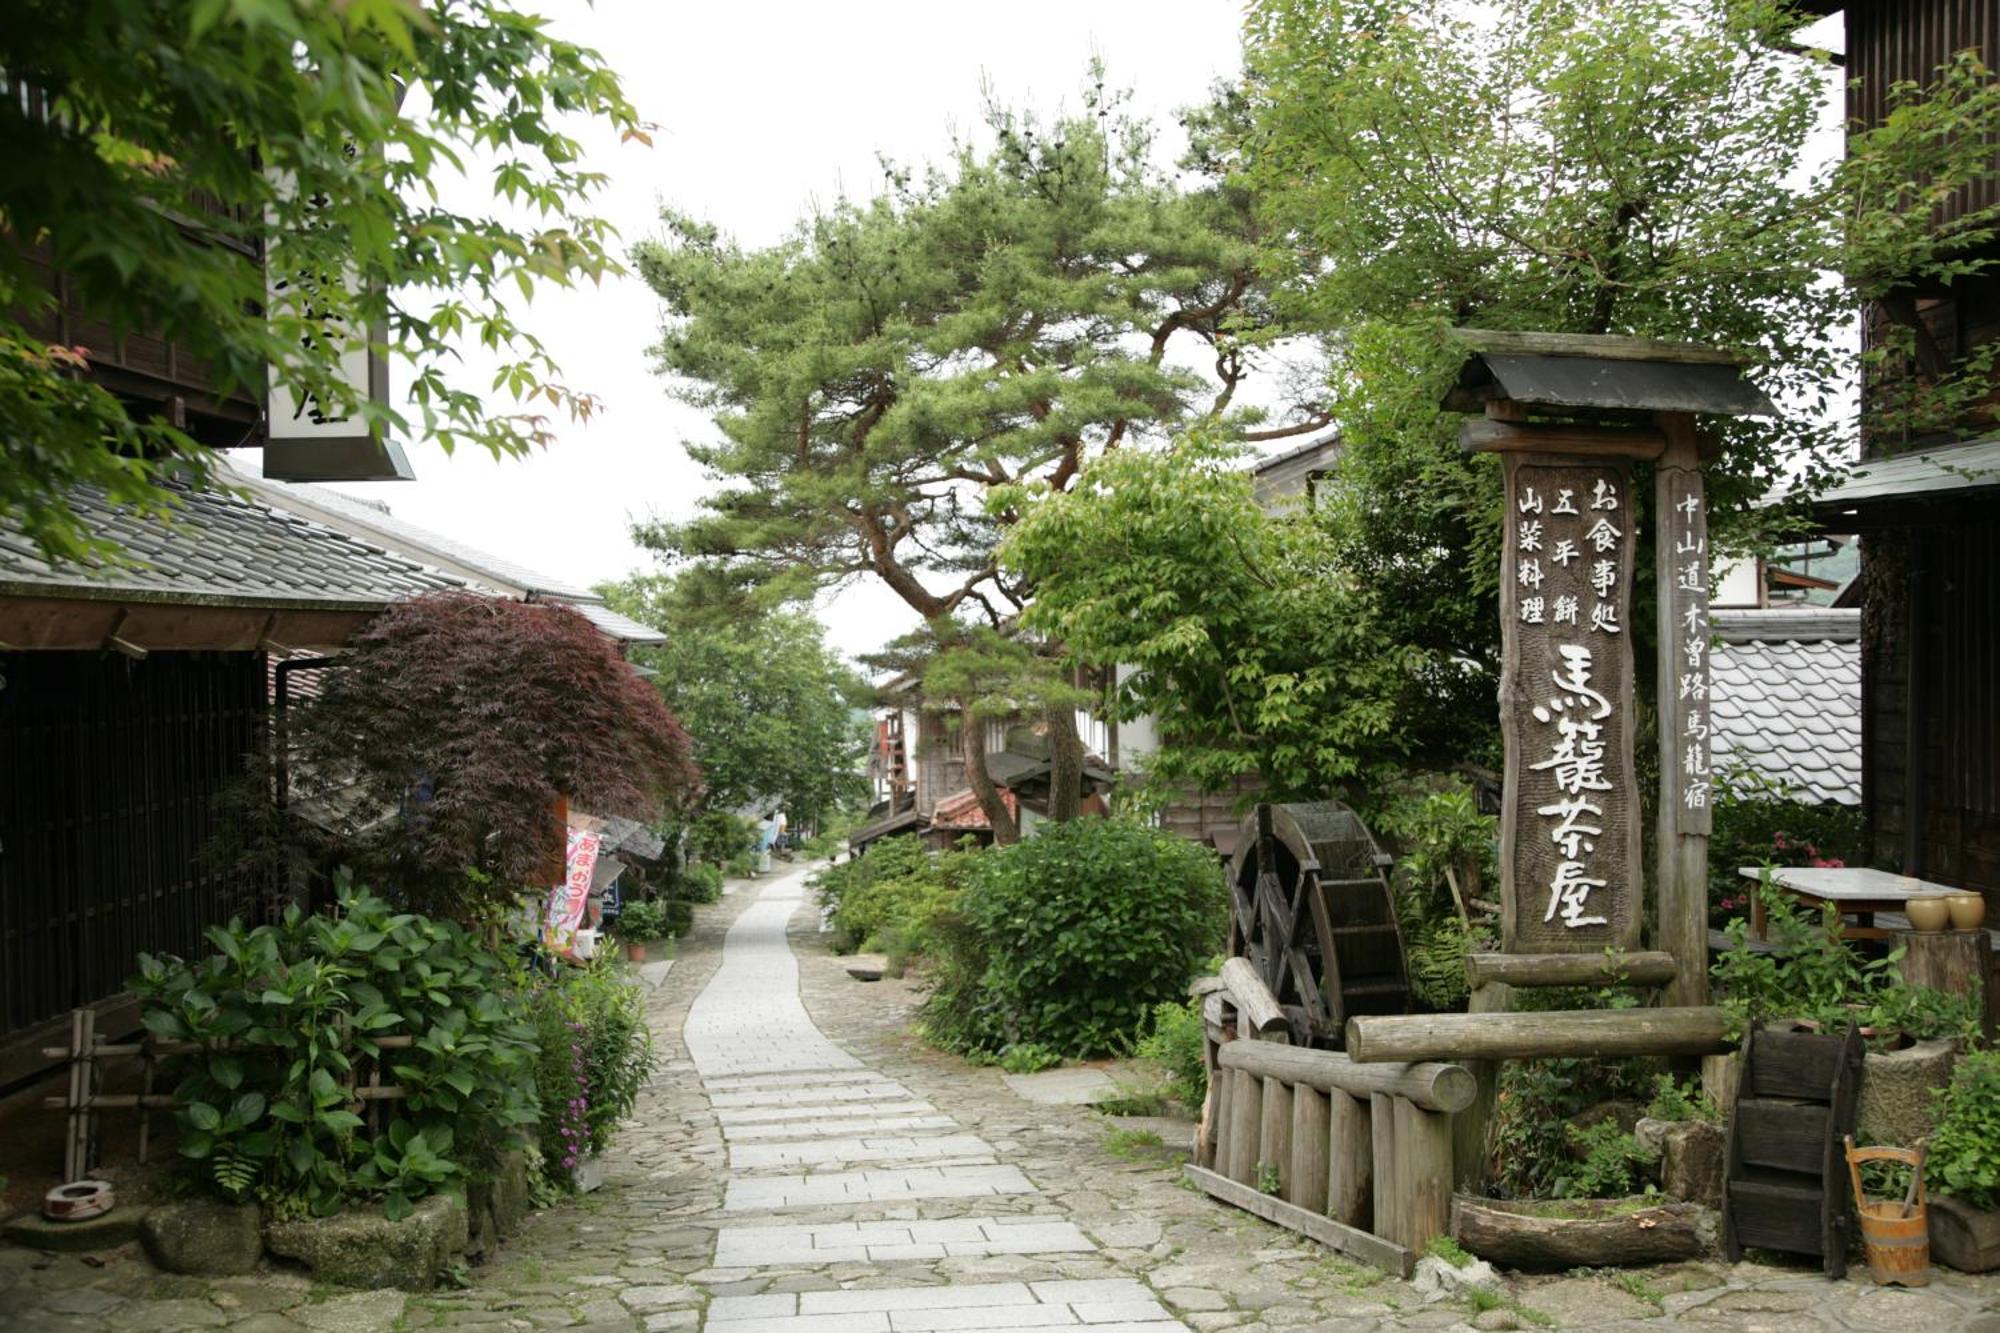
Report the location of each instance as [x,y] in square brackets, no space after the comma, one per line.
[1571,879]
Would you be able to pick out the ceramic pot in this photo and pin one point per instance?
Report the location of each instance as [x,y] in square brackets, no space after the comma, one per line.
[635,951]
[1928,914]
[1967,910]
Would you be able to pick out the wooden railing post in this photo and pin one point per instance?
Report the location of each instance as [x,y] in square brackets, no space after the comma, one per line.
[1423,1174]
[1274,1138]
[1388,1192]
[1309,1182]
[1350,1159]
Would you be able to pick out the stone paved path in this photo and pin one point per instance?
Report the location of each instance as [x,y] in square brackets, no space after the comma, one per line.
[802,1161]
[830,1163]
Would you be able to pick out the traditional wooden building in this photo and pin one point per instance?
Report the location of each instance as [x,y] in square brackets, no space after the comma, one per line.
[1927,509]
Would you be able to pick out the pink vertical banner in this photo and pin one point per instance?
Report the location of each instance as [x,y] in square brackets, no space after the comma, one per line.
[568,899]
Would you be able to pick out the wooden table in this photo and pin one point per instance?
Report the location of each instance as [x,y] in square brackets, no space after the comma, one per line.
[1858,892]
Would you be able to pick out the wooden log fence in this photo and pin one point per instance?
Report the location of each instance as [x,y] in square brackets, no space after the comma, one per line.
[1695,1030]
[1358,1157]
[87,1055]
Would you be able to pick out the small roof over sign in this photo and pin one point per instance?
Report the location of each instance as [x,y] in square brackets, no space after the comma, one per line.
[1604,372]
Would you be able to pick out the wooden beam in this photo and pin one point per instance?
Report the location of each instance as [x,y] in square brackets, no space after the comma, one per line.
[1556,1032]
[1382,1168]
[1478,435]
[1259,1008]
[1393,1259]
[1435,1087]
[1647,968]
[1469,1128]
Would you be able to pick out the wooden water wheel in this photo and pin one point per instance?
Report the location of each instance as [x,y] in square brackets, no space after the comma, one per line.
[1313,913]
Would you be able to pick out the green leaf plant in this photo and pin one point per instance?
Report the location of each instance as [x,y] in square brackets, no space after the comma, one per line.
[284,1013]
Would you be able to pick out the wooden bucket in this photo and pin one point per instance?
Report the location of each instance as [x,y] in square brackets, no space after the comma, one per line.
[1895,1233]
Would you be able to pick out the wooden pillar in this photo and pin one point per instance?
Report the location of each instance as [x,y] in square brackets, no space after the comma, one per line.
[1306,1185]
[1423,1174]
[1387,1188]
[1471,1126]
[1246,1123]
[1274,1137]
[1350,1160]
[1680,555]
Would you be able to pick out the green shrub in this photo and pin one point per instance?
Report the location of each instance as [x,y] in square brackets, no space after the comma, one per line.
[1673,1100]
[1812,971]
[1177,1044]
[1029,1058]
[889,897]
[1613,1165]
[1964,1159]
[1439,830]
[300,1002]
[644,919]
[1532,1151]
[596,1055]
[719,837]
[699,882]
[1083,929]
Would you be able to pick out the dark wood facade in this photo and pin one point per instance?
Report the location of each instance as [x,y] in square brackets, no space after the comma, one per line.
[1931,581]
[113,766]
[1930,694]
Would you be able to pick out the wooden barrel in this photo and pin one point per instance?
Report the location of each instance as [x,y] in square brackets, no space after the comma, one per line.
[1895,1233]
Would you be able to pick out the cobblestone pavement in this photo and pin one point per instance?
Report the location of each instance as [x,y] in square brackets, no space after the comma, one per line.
[801,1162]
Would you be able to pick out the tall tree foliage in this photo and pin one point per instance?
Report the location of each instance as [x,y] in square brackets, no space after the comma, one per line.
[470,717]
[771,709]
[293,115]
[1250,646]
[993,321]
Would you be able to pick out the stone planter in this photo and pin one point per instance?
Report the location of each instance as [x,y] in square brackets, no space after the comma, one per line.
[362,1248]
[1569,1233]
[204,1237]
[1964,1237]
[589,1175]
[1896,1089]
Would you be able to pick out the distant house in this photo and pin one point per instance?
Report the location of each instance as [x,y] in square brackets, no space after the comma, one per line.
[1296,474]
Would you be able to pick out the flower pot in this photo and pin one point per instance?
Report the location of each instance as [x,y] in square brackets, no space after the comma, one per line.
[1928,915]
[635,951]
[1967,910]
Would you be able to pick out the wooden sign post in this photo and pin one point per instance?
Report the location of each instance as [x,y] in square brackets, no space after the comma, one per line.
[1680,554]
[1571,879]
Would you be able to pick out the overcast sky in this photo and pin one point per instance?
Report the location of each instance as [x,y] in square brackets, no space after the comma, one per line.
[763,108]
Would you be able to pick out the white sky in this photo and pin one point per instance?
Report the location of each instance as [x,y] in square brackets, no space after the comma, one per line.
[763,108]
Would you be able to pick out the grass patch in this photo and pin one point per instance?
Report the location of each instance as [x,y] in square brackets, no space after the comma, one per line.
[1449,1250]
[1133,1145]
[1133,1101]
[1481,1299]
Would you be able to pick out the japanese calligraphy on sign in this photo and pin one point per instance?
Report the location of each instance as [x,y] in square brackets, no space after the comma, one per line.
[1684,703]
[1570,868]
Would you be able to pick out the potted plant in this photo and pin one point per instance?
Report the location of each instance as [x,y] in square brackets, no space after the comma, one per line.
[641,920]
[1963,1166]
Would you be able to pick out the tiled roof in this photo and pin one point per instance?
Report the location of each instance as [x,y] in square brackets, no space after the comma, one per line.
[373,521]
[1786,699]
[218,549]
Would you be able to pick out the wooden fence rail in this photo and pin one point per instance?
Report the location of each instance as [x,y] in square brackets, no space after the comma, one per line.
[87,1054]
[1358,1157]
